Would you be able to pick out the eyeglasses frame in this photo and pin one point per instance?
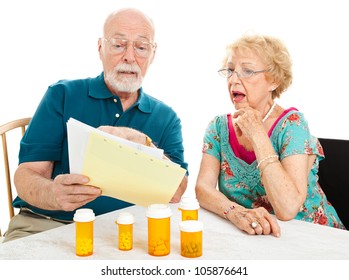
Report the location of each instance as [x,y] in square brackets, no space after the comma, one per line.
[132,42]
[238,74]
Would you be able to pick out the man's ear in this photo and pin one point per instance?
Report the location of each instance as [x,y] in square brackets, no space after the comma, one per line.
[100,48]
[154,52]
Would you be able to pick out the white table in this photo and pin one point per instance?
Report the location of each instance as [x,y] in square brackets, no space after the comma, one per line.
[221,241]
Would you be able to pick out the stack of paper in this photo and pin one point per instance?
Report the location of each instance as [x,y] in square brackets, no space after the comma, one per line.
[122,169]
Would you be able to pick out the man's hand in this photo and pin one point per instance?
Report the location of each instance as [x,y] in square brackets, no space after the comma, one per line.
[126,133]
[71,192]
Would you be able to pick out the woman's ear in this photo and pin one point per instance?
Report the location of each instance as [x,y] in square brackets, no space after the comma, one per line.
[273,87]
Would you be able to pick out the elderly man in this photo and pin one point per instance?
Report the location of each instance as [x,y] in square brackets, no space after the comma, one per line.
[115,102]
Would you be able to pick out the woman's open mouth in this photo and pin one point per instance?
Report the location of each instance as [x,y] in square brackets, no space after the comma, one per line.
[238,96]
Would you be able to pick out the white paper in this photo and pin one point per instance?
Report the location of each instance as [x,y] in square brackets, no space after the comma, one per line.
[78,135]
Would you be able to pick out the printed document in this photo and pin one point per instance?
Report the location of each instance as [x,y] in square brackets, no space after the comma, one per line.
[122,169]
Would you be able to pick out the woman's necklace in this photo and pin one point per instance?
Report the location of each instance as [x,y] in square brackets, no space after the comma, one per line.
[269,112]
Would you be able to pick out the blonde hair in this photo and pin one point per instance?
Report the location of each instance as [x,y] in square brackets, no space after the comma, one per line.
[272,52]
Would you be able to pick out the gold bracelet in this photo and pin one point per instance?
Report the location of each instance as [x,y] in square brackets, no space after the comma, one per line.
[266,165]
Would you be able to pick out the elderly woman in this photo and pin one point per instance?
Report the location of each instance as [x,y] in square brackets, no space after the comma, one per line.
[263,156]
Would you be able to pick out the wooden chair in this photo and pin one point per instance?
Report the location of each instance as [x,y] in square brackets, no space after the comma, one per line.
[4,129]
[333,175]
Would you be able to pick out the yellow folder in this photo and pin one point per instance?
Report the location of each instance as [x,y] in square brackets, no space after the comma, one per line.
[127,173]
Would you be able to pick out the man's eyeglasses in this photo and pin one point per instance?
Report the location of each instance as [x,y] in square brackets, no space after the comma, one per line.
[244,73]
[119,46]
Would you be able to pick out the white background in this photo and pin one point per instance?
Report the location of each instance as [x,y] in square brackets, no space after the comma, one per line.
[44,41]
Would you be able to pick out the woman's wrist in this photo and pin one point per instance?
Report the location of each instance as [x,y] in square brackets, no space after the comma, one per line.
[228,210]
[259,138]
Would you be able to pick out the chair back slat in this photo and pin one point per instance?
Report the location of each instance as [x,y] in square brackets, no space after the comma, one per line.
[5,128]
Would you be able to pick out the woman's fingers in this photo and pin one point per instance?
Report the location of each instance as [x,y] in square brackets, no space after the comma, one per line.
[257,221]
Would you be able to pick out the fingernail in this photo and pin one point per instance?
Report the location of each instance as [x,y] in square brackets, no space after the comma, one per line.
[85,180]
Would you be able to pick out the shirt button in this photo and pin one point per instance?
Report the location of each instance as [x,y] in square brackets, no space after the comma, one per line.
[115,100]
[117,115]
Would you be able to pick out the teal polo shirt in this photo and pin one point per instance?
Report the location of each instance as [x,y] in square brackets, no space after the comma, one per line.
[90,101]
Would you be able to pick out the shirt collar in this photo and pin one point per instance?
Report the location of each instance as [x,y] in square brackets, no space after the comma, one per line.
[98,90]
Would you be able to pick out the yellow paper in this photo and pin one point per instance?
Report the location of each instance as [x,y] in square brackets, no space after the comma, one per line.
[128,174]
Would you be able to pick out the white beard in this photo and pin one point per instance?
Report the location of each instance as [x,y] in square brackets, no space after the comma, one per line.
[124,84]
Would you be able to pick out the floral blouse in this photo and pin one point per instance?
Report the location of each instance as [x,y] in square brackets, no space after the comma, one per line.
[241,182]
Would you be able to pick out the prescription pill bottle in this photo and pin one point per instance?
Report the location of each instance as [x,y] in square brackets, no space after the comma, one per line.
[191,238]
[125,221]
[84,219]
[159,227]
[189,206]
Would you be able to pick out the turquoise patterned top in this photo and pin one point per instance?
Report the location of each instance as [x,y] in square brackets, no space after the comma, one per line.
[241,182]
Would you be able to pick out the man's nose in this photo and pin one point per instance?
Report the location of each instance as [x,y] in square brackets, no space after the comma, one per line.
[129,55]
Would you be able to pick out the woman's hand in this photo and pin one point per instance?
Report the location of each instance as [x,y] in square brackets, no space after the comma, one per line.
[254,221]
[248,121]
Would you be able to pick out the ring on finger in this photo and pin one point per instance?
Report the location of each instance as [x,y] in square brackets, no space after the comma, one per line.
[254,225]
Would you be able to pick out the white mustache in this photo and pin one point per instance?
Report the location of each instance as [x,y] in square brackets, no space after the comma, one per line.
[127,68]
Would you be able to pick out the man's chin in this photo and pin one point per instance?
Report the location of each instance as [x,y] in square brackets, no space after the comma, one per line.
[125,86]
